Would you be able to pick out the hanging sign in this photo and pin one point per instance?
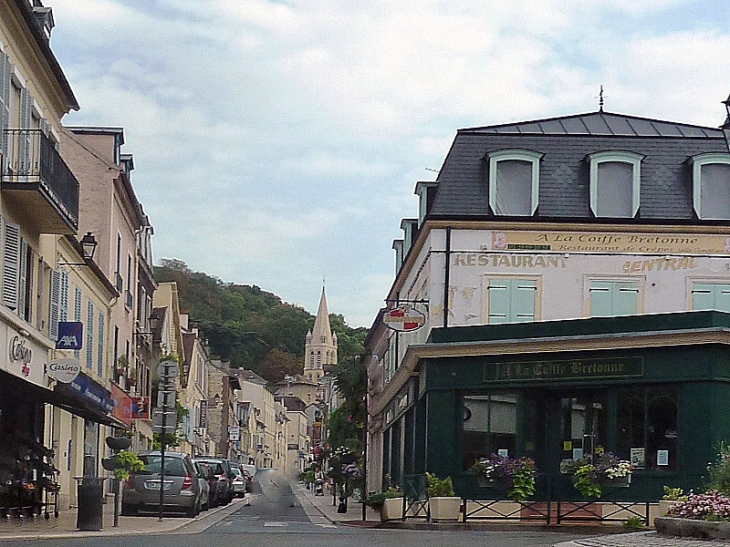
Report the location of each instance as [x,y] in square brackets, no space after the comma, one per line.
[70,335]
[64,370]
[404,319]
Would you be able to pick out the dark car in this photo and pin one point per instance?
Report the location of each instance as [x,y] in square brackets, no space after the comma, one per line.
[182,489]
[221,468]
[212,480]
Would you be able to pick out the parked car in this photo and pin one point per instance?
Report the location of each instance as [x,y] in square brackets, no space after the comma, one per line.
[202,475]
[212,482]
[182,489]
[239,482]
[221,468]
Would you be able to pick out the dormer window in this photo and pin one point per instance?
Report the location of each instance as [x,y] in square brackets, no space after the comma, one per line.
[514,177]
[615,184]
[711,186]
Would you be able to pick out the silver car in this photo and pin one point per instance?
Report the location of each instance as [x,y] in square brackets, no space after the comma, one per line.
[182,488]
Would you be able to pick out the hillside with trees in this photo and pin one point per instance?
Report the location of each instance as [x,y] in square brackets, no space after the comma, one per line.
[250,327]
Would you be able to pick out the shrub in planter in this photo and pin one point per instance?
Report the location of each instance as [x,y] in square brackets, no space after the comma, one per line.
[590,474]
[515,475]
[439,488]
[711,506]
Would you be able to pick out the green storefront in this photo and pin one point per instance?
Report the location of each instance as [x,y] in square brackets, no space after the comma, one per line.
[653,389]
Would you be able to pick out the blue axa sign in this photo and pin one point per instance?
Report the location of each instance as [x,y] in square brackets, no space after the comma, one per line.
[70,335]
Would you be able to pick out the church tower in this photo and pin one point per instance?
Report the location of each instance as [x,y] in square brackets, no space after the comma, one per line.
[320,348]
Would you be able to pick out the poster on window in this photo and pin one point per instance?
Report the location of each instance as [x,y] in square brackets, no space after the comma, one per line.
[662,457]
[638,458]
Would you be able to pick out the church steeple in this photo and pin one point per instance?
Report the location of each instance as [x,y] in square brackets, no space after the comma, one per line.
[321,344]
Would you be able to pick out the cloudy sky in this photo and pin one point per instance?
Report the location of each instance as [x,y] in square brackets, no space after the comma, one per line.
[279,142]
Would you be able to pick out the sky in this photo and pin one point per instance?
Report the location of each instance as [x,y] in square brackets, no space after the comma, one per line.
[278,143]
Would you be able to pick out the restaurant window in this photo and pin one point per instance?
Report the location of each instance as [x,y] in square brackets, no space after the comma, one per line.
[511,300]
[711,186]
[489,426]
[647,428]
[711,296]
[611,298]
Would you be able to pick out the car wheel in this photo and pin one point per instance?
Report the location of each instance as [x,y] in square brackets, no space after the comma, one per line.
[128,510]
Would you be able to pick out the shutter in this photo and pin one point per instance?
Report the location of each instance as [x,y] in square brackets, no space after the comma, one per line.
[63,297]
[625,299]
[10,265]
[89,334]
[601,305]
[702,297]
[523,301]
[23,279]
[54,304]
[722,298]
[24,139]
[5,75]
[100,347]
[77,315]
[498,301]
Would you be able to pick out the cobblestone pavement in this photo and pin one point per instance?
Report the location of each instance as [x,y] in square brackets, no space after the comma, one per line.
[642,539]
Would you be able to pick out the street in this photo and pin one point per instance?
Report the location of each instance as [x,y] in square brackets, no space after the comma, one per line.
[276,517]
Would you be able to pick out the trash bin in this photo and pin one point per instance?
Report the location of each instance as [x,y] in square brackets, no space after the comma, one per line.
[90,498]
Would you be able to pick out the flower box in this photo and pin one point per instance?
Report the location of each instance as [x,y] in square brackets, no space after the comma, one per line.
[392,509]
[444,509]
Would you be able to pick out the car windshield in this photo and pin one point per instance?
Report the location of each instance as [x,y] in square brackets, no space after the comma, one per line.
[216,467]
[236,471]
[173,466]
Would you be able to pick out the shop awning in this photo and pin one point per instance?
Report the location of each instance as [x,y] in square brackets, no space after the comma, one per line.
[57,398]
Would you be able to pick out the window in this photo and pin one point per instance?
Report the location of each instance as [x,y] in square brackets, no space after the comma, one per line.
[77,315]
[610,298]
[89,334]
[711,186]
[711,296]
[490,426]
[647,427]
[100,347]
[511,300]
[514,182]
[615,184]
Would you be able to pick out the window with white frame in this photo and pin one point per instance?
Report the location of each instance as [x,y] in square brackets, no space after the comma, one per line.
[611,298]
[615,184]
[711,186]
[711,296]
[514,177]
[512,300]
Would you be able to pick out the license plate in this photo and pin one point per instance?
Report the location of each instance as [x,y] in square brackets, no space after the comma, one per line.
[155,485]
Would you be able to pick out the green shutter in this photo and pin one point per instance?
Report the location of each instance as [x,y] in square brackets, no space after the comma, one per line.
[601,305]
[499,301]
[722,298]
[711,296]
[610,298]
[523,301]
[625,298]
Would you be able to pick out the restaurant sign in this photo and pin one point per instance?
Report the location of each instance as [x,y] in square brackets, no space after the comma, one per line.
[404,319]
[570,370]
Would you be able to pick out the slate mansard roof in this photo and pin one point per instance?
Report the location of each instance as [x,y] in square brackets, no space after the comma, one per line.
[564,185]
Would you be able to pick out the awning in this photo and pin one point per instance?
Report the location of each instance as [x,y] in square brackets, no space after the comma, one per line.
[56,398]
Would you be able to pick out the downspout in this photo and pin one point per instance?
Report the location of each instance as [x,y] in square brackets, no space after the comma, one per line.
[447,269]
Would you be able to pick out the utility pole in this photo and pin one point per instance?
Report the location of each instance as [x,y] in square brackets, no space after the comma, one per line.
[167,371]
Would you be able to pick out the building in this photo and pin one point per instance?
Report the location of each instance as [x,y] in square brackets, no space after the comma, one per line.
[194,392]
[559,269]
[320,348]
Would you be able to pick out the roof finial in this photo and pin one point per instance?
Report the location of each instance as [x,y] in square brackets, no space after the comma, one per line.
[600,100]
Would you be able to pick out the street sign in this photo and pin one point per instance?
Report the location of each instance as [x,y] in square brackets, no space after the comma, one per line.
[165,398]
[168,370]
[170,421]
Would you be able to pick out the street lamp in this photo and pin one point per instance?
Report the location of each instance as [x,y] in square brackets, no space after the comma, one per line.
[88,248]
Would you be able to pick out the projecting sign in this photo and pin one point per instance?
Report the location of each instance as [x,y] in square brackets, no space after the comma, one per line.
[70,335]
[404,319]
[64,370]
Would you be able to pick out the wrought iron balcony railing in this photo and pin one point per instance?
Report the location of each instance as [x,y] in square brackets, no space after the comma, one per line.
[32,164]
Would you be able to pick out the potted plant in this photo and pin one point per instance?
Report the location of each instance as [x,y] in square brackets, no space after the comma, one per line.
[514,476]
[670,498]
[122,464]
[443,505]
[592,474]
[389,503]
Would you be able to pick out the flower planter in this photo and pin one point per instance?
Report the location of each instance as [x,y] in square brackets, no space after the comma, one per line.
[673,526]
[444,509]
[392,509]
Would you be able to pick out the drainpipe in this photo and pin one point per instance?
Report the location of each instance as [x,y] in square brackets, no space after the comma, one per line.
[447,275]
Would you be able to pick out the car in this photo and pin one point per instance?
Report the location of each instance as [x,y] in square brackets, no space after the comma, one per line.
[239,481]
[212,482]
[221,468]
[181,487]
[204,486]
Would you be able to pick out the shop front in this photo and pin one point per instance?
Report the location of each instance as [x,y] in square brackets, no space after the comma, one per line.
[649,389]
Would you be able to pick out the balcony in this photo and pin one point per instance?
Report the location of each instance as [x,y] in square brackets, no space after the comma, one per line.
[38,182]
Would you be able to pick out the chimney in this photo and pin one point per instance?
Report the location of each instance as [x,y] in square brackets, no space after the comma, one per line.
[44,18]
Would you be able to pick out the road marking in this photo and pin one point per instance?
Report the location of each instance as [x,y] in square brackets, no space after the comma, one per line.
[326,525]
[280,524]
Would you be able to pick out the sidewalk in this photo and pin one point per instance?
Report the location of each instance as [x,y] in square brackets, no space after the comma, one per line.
[65,525]
[321,508]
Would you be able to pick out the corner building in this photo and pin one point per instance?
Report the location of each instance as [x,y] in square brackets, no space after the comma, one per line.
[574,273]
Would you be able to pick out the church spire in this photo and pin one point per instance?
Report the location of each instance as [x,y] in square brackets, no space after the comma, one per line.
[320,348]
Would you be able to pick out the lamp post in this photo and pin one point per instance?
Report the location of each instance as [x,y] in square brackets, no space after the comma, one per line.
[88,248]
[726,125]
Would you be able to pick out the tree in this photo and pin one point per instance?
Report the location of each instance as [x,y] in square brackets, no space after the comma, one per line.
[277,364]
